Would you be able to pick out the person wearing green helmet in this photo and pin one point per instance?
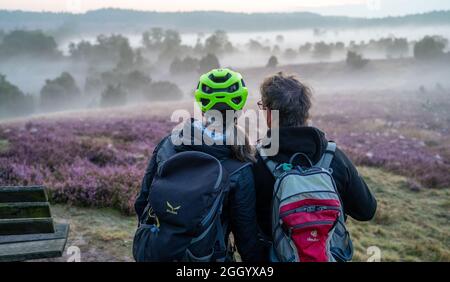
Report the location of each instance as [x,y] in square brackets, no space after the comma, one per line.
[221,89]
[181,168]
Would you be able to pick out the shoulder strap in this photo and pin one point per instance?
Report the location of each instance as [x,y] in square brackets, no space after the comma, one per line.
[328,156]
[165,150]
[233,166]
[271,165]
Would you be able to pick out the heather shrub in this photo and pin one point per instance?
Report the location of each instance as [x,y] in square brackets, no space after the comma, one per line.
[100,162]
[87,162]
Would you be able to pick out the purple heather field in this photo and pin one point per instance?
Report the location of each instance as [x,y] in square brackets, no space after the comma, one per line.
[99,161]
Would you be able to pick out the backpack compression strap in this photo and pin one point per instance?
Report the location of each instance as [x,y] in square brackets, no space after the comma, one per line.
[233,166]
[328,156]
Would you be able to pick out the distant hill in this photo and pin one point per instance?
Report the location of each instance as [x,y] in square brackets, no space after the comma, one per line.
[118,20]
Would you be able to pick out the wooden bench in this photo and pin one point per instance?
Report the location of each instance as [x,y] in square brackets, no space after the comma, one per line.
[27,230]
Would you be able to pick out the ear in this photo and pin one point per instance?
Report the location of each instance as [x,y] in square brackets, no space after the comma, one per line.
[269,118]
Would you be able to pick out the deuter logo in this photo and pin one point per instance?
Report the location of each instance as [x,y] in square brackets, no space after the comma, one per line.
[313,237]
[171,209]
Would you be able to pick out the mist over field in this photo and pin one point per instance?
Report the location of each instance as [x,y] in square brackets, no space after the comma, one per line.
[84,99]
[31,59]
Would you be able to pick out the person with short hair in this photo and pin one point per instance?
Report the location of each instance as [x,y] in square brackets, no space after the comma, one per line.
[292,98]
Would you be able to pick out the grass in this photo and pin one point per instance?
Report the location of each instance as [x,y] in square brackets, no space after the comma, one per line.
[4,145]
[101,234]
[409,225]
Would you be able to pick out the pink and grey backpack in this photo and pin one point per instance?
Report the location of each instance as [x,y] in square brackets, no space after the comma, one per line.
[308,223]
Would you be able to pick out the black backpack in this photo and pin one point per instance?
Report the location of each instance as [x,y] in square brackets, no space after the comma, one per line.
[182,221]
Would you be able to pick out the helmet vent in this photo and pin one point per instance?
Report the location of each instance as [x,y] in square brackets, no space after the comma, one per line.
[233,88]
[237,100]
[204,102]
[219,79]
[207,89]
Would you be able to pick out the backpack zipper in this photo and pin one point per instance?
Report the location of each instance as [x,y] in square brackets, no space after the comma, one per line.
[307,192]
[308,224]
[309,209]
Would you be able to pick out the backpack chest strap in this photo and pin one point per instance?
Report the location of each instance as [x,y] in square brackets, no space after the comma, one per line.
[324,162]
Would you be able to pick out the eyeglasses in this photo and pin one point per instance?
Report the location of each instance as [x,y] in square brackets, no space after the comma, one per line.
[261,105]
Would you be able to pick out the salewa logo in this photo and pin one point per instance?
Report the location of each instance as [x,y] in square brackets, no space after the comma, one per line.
[171,209]
[313,237]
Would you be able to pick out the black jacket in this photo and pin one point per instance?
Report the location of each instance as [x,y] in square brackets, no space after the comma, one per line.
[358,201]
[239,208]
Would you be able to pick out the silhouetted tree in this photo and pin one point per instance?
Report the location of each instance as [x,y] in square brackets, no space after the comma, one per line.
[114,49]
[279,38]
[430,48]
[397,47]
[290,53]
[183,66]
[170,45]
[13,102]
[208,63]
[356,60]
[136,83]
[218,43]
[113,95]
[164,91]
[256,46]
[322,50]
[153,39]
[32,43]
[60,93]
[273,62]
[305,48]
[126,57]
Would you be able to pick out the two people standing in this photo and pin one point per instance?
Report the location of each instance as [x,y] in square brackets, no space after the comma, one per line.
[196,192]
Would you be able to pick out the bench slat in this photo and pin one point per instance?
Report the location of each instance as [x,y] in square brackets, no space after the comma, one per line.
[25,210]
[61,232]
[26,226]
[32,250]
[13,194]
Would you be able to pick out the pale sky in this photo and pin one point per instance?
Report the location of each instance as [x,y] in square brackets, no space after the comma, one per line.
[341,7]
[171,5]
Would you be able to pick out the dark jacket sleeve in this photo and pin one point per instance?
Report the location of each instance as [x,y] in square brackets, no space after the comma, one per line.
[243,218]
[359,203]
[142,198]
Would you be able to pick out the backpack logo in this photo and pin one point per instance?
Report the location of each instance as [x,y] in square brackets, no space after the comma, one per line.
[313,237]
[171,209]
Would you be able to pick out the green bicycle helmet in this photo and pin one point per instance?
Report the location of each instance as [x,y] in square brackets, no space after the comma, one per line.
[221,89]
